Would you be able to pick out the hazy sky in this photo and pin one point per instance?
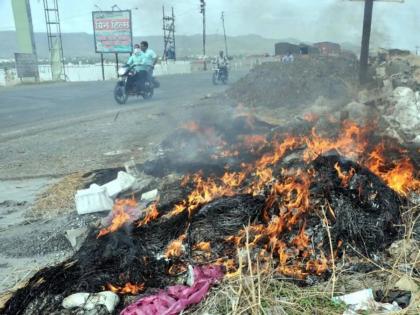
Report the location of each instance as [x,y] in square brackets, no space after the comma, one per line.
[394,24]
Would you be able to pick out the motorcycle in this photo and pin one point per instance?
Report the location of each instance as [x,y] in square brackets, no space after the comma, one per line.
[126,85]
[220,74]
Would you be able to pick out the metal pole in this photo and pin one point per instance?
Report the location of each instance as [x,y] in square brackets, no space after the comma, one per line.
[224,32]
[164,33]
[102,64]
[204,32]
[173,19]
[364,54]
[204,36]
[116,59]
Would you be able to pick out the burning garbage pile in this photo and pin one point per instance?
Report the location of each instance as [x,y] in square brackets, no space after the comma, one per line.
[291,199]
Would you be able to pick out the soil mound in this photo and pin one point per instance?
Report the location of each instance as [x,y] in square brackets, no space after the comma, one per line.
[274,84]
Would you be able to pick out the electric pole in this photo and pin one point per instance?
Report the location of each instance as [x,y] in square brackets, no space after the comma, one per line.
[367,26]
[169,51]
[224,32]
[364,53]
[55,42]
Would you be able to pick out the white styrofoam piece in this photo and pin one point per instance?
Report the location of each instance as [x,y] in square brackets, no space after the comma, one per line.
[150,195]
[359,298]
[94,199]
[123,182]
[89,301]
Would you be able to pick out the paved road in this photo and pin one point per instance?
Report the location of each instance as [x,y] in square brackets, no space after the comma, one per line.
[55,129]
[36,105]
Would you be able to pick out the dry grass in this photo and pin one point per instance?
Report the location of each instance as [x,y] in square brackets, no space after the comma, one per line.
[254,291]
[59,198]
[251,291]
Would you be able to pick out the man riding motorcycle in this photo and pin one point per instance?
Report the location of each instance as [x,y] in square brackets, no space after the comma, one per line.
[143,60]
[149,58]
[222,63]
[135,61]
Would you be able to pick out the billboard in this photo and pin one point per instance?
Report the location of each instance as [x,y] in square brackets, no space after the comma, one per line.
[112,31]
[26,65]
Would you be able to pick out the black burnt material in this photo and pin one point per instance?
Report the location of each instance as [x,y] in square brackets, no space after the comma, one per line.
[130,255]
[366,212]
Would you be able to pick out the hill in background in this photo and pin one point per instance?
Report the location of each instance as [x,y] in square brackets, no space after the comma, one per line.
[81,44]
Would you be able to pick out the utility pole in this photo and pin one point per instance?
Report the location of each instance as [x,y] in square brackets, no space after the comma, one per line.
[224,32]
[55,43]
[169,51]
[367,26]
[364,53]
[203,12]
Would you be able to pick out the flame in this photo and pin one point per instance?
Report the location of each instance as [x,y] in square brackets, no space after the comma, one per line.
[344,176]
[128,288]
[175,248]
[207,190]
[398,174]
[203,246]
[254,142]
[279,150]
[191,126]
[152,214]
[351,142]
[120,215]
[281,238]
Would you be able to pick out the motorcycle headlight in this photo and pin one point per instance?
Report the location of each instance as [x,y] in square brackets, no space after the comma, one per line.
[122,71]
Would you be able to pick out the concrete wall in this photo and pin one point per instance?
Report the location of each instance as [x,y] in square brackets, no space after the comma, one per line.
[76,73]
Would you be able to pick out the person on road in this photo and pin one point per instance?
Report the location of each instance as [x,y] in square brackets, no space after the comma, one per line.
[222,63]
[149,59]
[135,61]
[289,58]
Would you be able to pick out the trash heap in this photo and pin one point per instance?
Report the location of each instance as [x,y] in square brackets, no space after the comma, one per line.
[291,201]
[292,198]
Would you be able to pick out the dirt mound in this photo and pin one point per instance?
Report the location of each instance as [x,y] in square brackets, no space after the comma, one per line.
[274,84]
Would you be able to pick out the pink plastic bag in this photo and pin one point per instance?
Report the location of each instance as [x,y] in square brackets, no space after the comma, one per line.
[178,297]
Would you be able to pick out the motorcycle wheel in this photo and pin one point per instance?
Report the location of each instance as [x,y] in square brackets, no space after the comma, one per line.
[120,95]
[224,80]
[214,79]
[148,95]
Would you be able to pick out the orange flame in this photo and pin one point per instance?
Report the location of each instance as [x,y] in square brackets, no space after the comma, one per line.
[175,248]
[351,142]
[120,215]
[203,246]
[191,126]
[152,214]
[128,288]
[398,175]
[344,176]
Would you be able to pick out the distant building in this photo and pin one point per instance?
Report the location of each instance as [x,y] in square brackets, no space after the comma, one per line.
[284,48]
[328,48]
[308,50]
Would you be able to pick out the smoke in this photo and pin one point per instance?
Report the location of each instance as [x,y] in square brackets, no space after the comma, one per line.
[394,24]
